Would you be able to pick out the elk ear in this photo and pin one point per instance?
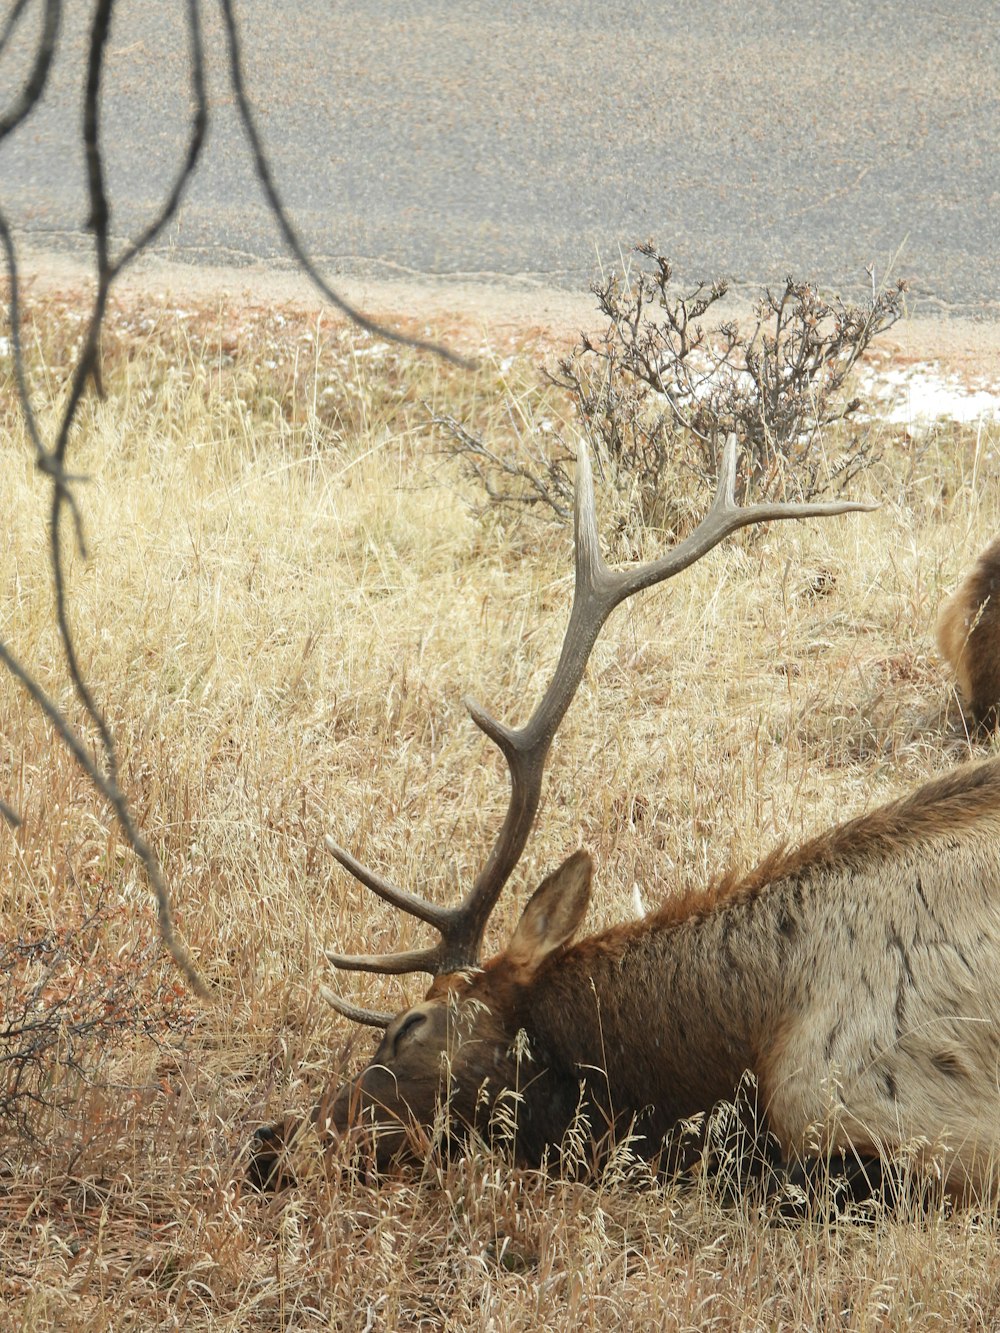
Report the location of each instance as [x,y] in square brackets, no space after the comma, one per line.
[554,912]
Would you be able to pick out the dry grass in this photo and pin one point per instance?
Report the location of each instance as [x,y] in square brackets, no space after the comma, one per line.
[287,597]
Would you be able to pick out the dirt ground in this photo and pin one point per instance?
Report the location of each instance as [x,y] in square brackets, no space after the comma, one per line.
[467,316]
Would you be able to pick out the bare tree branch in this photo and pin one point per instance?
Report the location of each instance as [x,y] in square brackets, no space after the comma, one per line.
[51,459]
[35,83]
[266,177]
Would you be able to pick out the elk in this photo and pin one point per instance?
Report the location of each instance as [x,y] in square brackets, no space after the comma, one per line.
[968,636]
[852,976]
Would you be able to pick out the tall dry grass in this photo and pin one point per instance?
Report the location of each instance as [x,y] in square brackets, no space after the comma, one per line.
[287,596]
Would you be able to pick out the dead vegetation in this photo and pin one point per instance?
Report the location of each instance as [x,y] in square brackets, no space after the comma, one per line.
[287,597]
[671,376]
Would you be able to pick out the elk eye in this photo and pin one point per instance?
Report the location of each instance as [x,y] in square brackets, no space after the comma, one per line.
[408,1028]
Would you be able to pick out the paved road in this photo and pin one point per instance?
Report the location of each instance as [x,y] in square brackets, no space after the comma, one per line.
[531,140]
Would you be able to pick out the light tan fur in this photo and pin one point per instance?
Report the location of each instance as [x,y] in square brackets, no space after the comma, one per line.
[889,1030]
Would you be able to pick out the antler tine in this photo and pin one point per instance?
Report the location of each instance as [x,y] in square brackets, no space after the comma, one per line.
[724,517]
[388,964]
[372,1018]
[410,903]
[392,964]
[597,591]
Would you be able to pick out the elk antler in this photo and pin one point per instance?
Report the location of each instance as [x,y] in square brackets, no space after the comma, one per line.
[597,591]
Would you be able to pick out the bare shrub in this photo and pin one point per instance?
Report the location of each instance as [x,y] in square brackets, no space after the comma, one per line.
[67,1004]
[538,474]
[658,393]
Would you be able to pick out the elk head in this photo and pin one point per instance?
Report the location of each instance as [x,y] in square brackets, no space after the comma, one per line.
[458,1046]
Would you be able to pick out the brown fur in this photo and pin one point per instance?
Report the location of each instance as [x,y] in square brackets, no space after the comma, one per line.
[968,636]
[856,977]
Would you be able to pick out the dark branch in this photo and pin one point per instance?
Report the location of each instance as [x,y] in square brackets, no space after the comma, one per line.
[51,460]
[266,177]
[34,86]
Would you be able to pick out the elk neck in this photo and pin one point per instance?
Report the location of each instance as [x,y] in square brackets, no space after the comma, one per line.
[657,1020]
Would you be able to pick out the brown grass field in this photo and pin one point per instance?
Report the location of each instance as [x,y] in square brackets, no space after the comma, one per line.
[288,592]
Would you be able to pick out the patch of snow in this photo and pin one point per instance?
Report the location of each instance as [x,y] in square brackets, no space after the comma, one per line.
[920,394]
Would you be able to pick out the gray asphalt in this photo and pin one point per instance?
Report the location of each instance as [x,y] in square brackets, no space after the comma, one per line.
[531,142]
